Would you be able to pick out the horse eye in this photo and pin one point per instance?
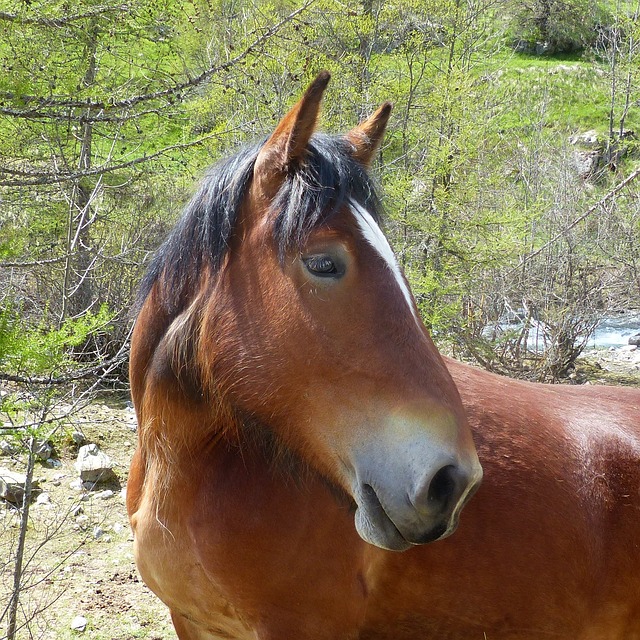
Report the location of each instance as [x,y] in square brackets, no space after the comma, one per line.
[322,266]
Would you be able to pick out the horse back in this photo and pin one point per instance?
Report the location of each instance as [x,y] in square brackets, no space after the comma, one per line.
[551,538]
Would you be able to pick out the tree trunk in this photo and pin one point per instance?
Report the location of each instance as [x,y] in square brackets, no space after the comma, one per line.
[78,289]
[18,563]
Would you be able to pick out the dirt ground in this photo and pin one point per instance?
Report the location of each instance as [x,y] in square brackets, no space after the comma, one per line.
[80,545]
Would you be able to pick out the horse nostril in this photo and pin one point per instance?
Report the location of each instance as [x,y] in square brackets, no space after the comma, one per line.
[442,488]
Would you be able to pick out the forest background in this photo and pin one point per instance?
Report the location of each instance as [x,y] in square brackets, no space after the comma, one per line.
[507,171]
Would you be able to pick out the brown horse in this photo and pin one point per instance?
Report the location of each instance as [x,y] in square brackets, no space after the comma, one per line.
[245,527]
[292,408]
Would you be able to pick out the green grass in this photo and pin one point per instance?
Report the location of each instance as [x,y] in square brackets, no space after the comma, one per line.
[565,94]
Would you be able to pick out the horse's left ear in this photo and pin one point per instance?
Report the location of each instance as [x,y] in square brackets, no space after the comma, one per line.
[288,143]
[367,136]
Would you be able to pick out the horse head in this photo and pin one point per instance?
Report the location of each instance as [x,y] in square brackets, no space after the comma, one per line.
[302,326]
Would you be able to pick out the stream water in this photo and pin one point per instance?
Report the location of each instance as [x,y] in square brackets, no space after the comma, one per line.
[615,330]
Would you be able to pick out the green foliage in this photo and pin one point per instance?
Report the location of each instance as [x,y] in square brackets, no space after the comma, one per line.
[123,110]
[558,25]
[33,354]
[42,350]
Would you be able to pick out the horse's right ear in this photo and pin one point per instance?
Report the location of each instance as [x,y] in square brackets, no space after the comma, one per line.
[367,136]
[288,143]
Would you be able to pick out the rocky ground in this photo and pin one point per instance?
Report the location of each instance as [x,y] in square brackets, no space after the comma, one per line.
[617,366]
[80,575]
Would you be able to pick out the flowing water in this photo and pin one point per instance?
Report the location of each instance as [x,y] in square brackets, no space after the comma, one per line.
[612,331]
[615,330]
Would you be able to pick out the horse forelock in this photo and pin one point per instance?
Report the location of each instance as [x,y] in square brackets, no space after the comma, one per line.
[311,194]
[319,189]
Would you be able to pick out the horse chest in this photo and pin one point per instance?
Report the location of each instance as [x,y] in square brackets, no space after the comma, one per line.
[169,564]
[245,562]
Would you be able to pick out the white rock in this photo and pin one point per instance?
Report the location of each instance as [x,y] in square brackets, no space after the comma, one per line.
[12,485]
[98,532]
[79,623]
[586,163]
[117,528]
[82,521]
[104,495]
[94,465]
[43,498]
[42,449]
[76,484]
[588,138]
[7,448]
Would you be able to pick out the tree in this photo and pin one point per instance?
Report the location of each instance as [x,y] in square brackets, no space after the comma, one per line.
[557,25]
[619,47]
[94,117]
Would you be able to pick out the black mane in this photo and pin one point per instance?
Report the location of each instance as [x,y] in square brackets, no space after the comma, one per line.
[311,194]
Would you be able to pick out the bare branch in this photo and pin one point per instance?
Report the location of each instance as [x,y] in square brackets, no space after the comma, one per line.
[118,359]
[32,263]
[619,187]
[32,178]
[62,21]
[86,117]
[191,83]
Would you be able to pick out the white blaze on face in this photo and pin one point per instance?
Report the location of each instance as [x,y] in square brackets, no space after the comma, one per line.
[374,236]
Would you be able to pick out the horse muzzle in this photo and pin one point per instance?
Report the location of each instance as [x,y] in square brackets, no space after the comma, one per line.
[412,494]
[396,522]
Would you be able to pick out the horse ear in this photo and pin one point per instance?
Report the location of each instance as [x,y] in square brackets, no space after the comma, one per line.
[367,136]
[288,143]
